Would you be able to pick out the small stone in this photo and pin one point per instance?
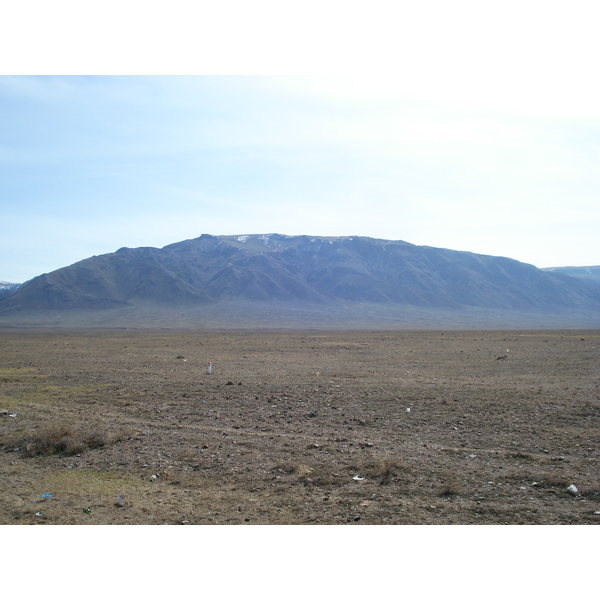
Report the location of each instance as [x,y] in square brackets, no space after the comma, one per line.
[573,489]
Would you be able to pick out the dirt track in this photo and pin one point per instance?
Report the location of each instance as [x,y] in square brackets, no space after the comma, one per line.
[300,427]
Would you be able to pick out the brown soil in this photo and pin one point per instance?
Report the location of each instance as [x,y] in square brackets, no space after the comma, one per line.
[299,427]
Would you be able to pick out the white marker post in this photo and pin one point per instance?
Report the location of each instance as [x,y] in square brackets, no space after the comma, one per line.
[209,368]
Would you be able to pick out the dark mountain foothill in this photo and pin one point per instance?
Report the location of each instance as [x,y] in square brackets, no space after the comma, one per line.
[277,280]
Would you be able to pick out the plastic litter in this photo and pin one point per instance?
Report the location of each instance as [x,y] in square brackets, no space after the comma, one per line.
[39,514]
[120,501]
[87,511]
[46,495]
[357,478]
[408,410]
[573,489]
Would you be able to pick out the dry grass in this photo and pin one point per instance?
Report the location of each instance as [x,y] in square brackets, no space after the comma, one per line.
[555,480]
[63,439]
[290,468]
[189,455]
[383,469]
[450,489]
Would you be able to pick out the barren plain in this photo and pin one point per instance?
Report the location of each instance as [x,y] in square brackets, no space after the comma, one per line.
[308,427]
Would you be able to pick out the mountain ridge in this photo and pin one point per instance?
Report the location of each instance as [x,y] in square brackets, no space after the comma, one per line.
[308,271]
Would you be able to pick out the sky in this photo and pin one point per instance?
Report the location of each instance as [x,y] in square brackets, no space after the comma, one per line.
[470,126]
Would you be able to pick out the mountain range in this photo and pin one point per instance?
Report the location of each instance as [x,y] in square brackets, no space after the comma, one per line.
[273,274]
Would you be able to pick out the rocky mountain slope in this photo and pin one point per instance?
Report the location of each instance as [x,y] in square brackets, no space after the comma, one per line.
[304,271]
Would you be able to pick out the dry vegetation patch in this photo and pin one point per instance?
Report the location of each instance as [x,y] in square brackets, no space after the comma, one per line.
[62,439]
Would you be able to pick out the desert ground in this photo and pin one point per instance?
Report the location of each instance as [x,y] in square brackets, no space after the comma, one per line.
[299,427]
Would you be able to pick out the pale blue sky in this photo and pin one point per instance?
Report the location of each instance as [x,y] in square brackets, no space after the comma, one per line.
[479,135]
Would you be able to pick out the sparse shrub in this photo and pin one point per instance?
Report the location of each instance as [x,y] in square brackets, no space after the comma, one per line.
[522,456]
[383,469]
[62,440]
[554,480]
[449,490]
[285,467]
[294,468]
[188,455]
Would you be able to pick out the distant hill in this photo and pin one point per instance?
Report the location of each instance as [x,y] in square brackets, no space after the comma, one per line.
[589,273]
[325,275]
[7,288]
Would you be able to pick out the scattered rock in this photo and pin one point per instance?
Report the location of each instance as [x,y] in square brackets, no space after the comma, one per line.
[572,489]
